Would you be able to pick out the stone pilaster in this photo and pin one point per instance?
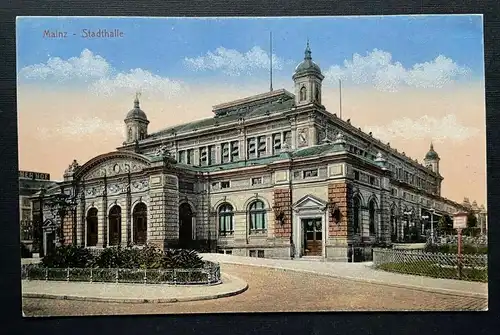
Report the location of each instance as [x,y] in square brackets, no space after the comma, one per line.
[384,226]
[341,195]
[81,222]
[163,225]
[102,238]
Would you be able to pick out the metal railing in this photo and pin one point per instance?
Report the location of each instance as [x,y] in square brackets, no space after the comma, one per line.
[207,275]
[438,265]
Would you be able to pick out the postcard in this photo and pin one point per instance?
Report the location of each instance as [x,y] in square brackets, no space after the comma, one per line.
[204,165]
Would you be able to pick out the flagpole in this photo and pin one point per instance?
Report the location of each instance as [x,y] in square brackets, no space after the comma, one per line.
[340,98]
[271,61]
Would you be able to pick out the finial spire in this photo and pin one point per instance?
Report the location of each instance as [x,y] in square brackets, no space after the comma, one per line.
[136,101]
[432,146]
[308,51]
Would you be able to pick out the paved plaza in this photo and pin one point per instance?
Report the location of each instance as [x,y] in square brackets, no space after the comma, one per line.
[275,290]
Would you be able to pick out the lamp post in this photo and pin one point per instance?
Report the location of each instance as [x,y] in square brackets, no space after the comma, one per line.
[432,225]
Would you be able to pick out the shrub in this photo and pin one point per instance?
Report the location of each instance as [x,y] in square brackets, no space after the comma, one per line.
[148,257]
[453,249]
[68,256]
[25,252]
[181,259]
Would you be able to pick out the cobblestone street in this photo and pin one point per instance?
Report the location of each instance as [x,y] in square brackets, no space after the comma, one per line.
[273,290]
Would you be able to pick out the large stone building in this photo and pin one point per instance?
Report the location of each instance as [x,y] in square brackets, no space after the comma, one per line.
[30,183]
[271,175]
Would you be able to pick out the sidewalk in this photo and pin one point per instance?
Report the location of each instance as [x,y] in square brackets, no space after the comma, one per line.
[362,272]
[131,293]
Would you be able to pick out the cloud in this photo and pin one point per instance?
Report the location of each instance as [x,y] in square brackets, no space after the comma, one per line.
[377,68]
[137,80]
[446,128]
[233,62]
[101,78]
[87,66]
[79,127]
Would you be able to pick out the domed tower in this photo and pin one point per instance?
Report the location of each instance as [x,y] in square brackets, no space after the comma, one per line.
[136,124]
[307,79]
[431,160]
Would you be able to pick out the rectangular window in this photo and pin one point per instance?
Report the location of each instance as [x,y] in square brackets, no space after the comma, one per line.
[372,180]
[235,151]
[224,184]
[251,148]
[182,156]
[215,186]
[276,143]
[260,253]
[257,181]
[203,156]
[213,155]
[356,175]
[297,175]
[310,173]
[190,156]
[26,202]
[225,154]
[262,146]
[229,252]
[252,253]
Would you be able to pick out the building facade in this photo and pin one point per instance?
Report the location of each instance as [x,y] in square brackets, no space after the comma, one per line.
[30,183]
[272,175]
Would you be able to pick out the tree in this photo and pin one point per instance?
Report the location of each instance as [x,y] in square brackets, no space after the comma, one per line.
[471,224]
[445,224]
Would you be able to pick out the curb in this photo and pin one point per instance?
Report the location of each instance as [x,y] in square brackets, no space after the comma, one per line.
[370,281]
[140,300]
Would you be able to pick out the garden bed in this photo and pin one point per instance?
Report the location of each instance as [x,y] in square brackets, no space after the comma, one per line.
[437,265]
[147,265]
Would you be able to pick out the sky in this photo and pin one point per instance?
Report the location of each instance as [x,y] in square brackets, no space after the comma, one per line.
[408,79]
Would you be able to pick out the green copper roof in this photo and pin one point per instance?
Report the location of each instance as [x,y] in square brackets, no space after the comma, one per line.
[317,150]
[267,109]
[432,154]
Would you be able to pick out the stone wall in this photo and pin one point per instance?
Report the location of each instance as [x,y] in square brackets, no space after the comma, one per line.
[281,202]
[67,228]
[341,195]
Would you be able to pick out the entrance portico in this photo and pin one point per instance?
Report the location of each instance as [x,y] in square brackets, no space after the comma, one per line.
[310,227]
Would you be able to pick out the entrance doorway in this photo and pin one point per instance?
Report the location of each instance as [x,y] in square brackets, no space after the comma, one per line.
[50,242]
[185,226]
[313,237]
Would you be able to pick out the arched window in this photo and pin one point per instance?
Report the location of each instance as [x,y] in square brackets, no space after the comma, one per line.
[316,94]
[142,136]
[92,223]
[257,215]
[371,209]
[303,92]
[226,215]
[140,223]
[115,225]
[130,134]
[356,215]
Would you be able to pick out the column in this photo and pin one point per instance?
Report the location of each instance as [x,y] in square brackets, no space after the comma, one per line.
[80,223]
[196,158]
[269,145]
[218,154]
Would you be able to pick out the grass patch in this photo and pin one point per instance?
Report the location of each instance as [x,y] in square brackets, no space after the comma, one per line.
[431,269]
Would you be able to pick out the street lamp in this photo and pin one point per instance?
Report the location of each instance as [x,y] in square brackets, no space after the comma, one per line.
[426,217]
